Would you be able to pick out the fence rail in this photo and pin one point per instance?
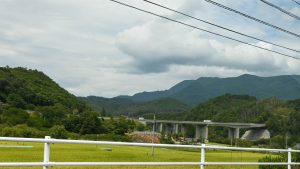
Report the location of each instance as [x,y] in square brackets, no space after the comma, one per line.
[48,141]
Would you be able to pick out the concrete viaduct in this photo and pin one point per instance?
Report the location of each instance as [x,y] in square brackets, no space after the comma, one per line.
[175,127]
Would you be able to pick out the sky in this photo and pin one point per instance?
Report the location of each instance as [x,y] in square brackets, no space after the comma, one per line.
[98,47]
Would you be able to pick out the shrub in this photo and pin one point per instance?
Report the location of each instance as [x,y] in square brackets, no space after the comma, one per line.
[58,132]
[273,159]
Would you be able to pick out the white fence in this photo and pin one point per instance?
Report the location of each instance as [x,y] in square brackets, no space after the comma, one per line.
[47,163]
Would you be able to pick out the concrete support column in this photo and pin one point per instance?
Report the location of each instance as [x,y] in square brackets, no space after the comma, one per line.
[160,127]
[202,133]
[198,132]
[176,128]
[236,133]
[205,133]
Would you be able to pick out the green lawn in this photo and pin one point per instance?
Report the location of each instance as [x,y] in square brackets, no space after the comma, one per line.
[93,153]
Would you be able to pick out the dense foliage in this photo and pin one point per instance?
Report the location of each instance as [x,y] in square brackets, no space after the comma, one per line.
[33,105]
[281,117]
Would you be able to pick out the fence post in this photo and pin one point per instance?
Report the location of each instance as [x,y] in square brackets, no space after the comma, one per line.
[289,158]
[202,156]
[46,152]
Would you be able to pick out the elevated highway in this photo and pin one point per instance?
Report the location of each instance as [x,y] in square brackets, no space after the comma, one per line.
[201,127]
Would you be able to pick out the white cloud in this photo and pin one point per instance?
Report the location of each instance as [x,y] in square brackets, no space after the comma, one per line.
[94,47]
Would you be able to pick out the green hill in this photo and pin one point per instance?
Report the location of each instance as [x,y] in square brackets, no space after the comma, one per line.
[192,92]
[281,117]
[32,105]
[29,89]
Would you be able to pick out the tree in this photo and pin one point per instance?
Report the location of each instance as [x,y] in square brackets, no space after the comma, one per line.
[90,123]
[14,116]
[59,132]
[103,112]
[16,101]
[121,125]
[53,115]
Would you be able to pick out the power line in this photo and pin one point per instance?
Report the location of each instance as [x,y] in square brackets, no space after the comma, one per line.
[252,18]
[207,22]
[195,27]
[280,9]
[296,2]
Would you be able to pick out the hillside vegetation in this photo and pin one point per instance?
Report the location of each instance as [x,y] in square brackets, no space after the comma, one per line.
[281,117]
[33,105]
[193,92]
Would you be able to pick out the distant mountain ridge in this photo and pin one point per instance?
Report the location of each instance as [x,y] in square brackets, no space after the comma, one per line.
[192,92]
[188,93]
[123,105]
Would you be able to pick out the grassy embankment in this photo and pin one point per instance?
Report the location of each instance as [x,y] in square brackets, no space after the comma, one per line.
[93,153]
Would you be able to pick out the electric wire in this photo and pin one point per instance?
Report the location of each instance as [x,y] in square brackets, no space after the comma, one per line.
[253,18]
[296,2]
[222,27]
[281,9]
[195,27]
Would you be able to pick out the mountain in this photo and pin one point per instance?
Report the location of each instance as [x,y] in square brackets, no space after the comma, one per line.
[33,105]
[29,97]
[27,89]
[192,92]
[123,105]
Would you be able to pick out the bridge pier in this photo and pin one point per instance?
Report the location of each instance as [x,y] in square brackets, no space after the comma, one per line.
[202,132]
[234,133]
[159,127]
[176,128]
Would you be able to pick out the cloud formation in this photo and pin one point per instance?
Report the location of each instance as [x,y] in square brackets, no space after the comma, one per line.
[94,47]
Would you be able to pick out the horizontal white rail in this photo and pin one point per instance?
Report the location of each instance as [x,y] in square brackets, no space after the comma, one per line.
[35,164]
[64,141]
[48,141]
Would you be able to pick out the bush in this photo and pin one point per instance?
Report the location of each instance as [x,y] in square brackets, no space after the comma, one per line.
[243,143]
[58,132]
[21,131]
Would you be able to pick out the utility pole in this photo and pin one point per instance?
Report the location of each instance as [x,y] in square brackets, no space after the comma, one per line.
[153,134]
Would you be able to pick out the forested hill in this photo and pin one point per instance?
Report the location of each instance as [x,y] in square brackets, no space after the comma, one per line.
[128,107]
[33,105]
[192,92]
[280,116]
[31,99]
[27,89]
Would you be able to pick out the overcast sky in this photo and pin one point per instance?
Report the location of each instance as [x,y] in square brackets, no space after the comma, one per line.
[97,47]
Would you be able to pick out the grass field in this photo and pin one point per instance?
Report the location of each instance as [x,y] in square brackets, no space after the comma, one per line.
[93,153]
